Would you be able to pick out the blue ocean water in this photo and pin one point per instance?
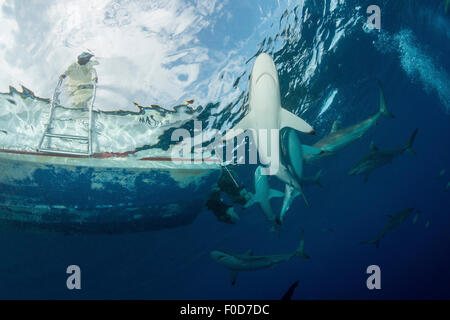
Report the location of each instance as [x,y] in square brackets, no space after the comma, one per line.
[408,55]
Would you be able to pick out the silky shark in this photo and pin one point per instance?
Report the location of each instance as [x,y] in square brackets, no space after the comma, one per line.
[395,221]
[291,193]
[293,153]
[266,117]
[377,158]
[249,262]
[340,138]
[262,196]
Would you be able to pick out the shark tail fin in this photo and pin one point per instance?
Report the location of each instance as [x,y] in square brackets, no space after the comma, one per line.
[376,242]
[383,108]
[233,277]
[317,178]
[276,228]
[304,198]
[300,252]
[410,143]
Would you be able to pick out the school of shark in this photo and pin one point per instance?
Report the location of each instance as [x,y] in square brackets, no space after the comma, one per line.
[287,160]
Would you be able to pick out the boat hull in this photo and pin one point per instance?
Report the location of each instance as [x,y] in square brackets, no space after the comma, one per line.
[84,195]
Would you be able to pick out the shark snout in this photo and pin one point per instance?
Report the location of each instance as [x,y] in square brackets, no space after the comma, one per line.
[216,255]
[264,61]
[264,65]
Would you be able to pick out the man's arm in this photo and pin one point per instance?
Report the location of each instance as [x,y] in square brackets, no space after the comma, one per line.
[94,75]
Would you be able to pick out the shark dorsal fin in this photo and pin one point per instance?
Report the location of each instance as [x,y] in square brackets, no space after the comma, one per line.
[249,252]
[334,127]
[373,146]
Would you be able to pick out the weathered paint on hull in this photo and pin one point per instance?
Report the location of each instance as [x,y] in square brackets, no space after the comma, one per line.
[56,194]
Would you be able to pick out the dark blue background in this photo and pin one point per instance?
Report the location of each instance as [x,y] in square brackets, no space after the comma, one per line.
[175,263]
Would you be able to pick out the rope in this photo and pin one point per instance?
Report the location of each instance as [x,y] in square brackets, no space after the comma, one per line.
[232,178]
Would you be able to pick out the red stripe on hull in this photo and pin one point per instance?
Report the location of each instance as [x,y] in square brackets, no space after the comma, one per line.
[105,155]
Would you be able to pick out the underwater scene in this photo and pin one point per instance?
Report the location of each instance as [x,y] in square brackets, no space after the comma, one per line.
[206,149]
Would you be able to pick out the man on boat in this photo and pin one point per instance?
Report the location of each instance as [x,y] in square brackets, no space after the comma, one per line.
[80,78]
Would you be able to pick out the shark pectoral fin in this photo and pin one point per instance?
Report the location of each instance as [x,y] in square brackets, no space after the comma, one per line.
[276,229]
[304,198]
[317,178]
[334,127]
[300,251]
[408,147]
[233,277]
[275,194]
[307,150]
[383,108]
[288,119]
[239,128]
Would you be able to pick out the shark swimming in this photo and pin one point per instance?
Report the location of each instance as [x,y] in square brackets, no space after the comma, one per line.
[266,117]
[293,152]
[377,158]
[395,221]
[290,193]
[250,262]
[262,196]
[340,138]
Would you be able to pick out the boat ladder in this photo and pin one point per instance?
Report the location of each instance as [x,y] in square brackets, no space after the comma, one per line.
[48,128]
